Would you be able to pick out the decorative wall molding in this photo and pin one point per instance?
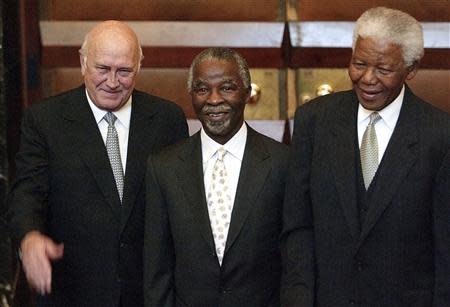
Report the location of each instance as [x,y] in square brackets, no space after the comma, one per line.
[173,34]
[263,44]
[324,34]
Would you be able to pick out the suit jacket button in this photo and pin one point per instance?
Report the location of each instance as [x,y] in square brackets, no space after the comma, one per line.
[359,266]
[352,302]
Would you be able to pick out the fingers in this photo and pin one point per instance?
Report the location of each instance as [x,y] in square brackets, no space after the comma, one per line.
[45,287]
[54,251]
[37,252]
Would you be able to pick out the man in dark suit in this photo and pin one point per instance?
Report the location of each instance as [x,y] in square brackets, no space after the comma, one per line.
[363,235]
[213,222]
[77,204]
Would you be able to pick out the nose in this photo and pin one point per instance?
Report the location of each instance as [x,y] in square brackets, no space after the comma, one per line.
[112,80]
[215,97]
[369,76]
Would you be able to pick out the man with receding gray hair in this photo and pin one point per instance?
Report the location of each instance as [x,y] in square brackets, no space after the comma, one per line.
[214,200]
[77,204]
[367,205]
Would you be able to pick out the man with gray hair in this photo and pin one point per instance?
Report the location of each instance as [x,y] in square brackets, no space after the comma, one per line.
[367,205]
[214,201]
[77,204]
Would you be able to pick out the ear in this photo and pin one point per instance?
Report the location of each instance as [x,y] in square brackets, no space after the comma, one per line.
[248,94]
[412,70]
[82,64]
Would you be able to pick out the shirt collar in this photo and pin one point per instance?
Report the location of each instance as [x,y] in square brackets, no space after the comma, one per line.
[389,114]
[235,146]
[123,114]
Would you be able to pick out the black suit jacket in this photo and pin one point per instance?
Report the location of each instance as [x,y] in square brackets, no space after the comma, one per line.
[399,255]
[65,188]
[180,264]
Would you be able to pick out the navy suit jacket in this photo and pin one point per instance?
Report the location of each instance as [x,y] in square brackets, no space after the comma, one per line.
[180,263]
[399,255]
[65,188]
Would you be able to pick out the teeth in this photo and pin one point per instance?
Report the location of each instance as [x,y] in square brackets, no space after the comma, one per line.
[216,114]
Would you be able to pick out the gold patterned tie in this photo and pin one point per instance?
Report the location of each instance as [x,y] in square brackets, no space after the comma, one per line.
[112,147]
[219,204]
[369,150]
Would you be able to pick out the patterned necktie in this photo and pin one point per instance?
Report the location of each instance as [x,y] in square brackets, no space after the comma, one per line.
[112,147]
[219,204]
[369,150]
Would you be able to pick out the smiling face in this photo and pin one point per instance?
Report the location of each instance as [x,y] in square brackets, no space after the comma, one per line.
[378,72]
[110,65]
[219,98]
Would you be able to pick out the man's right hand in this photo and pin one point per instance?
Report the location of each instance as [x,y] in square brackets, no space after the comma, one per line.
[38,251]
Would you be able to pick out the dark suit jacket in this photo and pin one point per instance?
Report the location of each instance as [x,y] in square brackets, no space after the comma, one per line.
[65,188]
[399,255]
[180,266]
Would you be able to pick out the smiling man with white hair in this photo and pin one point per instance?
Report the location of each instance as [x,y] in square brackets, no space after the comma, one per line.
[367,205]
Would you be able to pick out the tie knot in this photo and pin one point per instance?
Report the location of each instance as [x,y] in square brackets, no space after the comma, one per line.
[110,118]
[220,153]
[374,118]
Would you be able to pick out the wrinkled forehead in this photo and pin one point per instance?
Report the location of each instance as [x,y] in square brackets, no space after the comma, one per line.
[217,69]
[120,50]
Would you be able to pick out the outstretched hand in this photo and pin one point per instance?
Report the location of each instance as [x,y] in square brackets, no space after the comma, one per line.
[38,251]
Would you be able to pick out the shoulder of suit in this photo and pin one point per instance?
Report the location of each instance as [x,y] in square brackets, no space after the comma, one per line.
[427,111]
[327,102]
[275,148]
[325,107]
[56,103]
[172,151]
[269,141]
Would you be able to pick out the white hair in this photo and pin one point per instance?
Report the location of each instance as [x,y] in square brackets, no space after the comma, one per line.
[395,26]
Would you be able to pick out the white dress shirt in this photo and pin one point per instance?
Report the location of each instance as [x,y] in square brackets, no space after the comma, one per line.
[122,125]
[233,159]
[385,126]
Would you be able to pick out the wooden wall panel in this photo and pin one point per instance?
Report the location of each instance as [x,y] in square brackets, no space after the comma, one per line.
[350,10]
[432,85]
[170,83]
[164,57]
[199,10]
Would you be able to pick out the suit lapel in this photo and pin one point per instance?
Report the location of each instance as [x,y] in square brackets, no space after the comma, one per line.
[139,146]
[190,177]
[399,157]
[83,132]
[254,171]
[343,156]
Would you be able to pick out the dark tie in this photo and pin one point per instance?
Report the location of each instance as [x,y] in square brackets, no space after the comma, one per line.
[112,147]
[369,150]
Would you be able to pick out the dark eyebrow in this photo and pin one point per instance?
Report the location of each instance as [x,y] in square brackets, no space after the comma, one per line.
[229,81]
[198,82]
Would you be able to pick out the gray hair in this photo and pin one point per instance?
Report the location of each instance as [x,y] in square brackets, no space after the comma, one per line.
[222,54]
[394,26]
